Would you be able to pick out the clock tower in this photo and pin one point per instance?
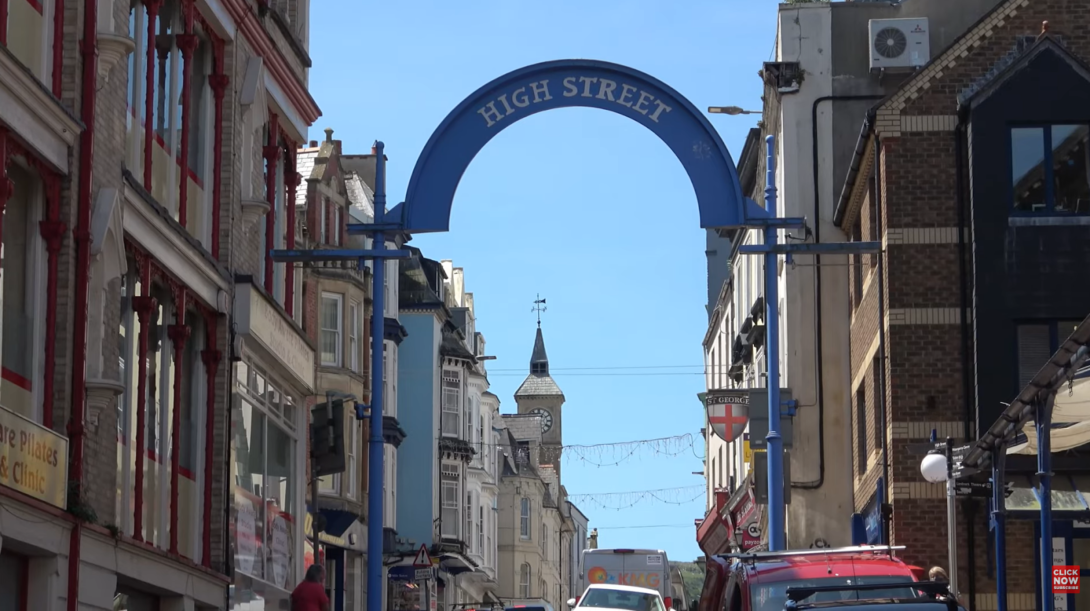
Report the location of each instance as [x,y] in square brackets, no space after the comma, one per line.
[540,395]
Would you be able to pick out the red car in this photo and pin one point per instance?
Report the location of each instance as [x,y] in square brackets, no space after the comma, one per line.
[758,581]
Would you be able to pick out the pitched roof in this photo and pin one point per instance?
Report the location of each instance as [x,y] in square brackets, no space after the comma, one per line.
[539,383]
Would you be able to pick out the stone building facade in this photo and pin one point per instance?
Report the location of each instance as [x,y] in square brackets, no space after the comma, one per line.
[146,180]
[973,175]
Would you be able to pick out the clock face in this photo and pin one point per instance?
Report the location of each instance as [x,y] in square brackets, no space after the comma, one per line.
[546,418]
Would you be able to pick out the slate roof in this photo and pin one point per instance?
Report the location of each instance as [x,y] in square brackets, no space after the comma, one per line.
[539,383]
[453,346]
[304,165]
[414,281]
[361,196]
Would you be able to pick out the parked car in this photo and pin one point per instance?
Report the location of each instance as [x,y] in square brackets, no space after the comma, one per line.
[609,597]
[928,596]
[758,581]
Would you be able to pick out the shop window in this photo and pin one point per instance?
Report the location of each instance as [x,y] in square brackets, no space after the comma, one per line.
[332,325]
[1049,169]
[14,581]
[22,265]
[265,509]
[168,169]
[28,35]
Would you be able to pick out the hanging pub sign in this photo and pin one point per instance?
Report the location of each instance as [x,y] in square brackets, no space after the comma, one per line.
[728,412]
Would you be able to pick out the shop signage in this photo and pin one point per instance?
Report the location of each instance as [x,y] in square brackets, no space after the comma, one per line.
[728,412]
[271,328]
[33,459]
[281,554]
[324,537]
[745,516]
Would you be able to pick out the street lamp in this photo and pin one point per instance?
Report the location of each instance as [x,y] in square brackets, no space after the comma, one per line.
[937,467]
[731,110]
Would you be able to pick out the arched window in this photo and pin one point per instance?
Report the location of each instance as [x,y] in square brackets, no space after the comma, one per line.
[524,580]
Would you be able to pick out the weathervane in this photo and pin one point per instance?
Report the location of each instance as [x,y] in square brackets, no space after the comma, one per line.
[539,307]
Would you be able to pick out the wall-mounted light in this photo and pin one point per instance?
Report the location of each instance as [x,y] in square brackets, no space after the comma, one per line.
[731,110]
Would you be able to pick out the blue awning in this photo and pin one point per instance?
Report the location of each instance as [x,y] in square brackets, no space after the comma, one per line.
[337,521]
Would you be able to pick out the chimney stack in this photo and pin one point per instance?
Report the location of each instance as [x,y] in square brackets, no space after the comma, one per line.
[313,144]
[374,150]
[329,134]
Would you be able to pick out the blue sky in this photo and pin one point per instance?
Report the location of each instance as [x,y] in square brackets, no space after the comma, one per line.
[583,206]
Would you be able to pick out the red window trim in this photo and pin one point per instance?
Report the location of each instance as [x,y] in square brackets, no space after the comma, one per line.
[37,5]
[17,379]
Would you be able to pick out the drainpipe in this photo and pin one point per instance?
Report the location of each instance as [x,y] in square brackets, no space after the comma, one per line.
[881,402]
[819,377]
[967,365]
[89,53]
[58,45]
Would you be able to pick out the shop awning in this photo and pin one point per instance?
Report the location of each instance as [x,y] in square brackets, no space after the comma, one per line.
[1070,493]
[337,521]
[1070,419]
[455,564]
[1067,375]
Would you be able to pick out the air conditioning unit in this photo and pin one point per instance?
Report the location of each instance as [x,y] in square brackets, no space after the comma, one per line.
[899,43]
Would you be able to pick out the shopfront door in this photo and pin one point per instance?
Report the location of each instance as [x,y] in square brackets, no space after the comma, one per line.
[1080,557]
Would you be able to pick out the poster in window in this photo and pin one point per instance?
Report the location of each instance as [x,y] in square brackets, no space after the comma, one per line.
[246,534]
[280,551]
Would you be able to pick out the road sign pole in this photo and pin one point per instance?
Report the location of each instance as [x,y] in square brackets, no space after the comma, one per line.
[376,449]
[951,517]
[777,522]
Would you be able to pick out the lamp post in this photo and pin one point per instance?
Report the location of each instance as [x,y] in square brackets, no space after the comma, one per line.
[938,466]
[732,110]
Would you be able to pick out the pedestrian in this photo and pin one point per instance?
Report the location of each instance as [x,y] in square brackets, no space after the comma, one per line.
[937,573]
[310,594]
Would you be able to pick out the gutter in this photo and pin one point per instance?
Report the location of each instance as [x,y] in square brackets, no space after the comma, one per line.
[857,160]
[82,235]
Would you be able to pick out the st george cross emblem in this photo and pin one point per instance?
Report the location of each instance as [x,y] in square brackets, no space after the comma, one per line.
[728,412]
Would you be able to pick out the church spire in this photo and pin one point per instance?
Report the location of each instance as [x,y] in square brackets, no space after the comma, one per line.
[539,361]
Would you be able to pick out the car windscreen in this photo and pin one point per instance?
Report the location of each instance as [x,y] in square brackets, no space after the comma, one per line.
[526,608]
[605,598]
[772,596]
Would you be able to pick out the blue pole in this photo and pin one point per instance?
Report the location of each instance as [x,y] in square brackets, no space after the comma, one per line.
[375,447]
[1044,466]
[999,523]
[776,521]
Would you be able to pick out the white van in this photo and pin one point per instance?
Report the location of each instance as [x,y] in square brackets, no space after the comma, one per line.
[644,568]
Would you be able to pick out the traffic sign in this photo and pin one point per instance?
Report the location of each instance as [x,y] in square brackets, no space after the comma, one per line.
[974,489]
[959,469]
[423,558]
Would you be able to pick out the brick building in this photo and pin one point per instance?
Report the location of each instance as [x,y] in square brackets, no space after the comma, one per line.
[143,142]
[983,271]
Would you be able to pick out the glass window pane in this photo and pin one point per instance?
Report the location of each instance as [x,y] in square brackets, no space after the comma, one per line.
[248,519]
[1069,168]
[1028,169]
[280,499]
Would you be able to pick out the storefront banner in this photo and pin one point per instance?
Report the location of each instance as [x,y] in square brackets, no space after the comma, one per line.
[247,545]
[33,459]
[281,551]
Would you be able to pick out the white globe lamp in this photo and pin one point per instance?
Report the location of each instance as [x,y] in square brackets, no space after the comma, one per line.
[933,468]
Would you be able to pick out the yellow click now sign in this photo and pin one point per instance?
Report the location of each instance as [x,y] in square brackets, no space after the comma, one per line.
[33,459]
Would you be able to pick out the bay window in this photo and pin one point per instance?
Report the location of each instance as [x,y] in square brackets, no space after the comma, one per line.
[153,140]
[332,320]
[28,35]
[354,339]
[468,539]
[524,580]
[452,403]
[450,502]
[144,465]
[265,508]
[524,518]
[22,266]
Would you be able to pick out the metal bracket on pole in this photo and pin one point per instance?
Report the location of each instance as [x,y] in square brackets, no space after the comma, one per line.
[376,451]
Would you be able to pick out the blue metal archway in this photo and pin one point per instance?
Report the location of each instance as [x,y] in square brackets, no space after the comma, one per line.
[565,84]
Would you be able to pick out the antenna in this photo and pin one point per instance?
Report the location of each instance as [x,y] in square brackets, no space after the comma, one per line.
[539,307]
